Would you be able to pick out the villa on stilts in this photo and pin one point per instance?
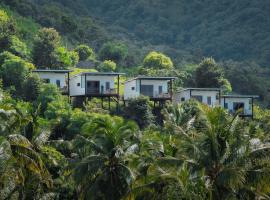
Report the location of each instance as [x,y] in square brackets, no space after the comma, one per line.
[158,89]
[102,85]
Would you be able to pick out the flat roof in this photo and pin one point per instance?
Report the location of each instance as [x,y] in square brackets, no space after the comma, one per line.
[102,73]
[151,78]
[200,89]
[53,70]
[239,96]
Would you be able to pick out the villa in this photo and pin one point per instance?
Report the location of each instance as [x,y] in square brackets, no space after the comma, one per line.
[156,88]
[60,78]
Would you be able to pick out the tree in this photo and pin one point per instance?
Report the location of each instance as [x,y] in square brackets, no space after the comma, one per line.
[7,26]
[14,71]
[101,172]
[63,59]
[84,52]
[210,74]
[222,148]
[157,61]
[107,66]
[114,51]
[31,87]
[140,111]
[48,93]
[45,44]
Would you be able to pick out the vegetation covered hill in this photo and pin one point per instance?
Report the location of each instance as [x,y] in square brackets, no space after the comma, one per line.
[237,30]
[228,29]
[51,150]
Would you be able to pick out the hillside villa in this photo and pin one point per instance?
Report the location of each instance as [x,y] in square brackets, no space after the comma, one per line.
[60,78]
[156,88]
[106,85]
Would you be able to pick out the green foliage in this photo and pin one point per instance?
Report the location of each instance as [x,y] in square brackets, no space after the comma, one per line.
[107,66]
[210,74]
[140,111]
[48,93]
[63,59]
[7,26]
[31,88]
[113,51]
[17,47]
[14,71]
[84,52]
[45,44]
[157,60]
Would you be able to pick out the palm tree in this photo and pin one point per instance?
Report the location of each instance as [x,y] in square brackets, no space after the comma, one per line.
[22,169]
[101,171]
[221,147]
[160,175]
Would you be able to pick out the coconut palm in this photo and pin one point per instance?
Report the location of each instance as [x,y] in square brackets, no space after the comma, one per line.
[101,170]
[222,149]
[159,174]
[22,169]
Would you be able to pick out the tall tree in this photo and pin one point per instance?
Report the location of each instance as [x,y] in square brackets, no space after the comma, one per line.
[84,52]
[45,45]
[114,51]
[210,74]
[157,61]
[102,172]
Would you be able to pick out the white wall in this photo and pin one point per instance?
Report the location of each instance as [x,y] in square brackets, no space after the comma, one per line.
[247,104]
[76,90]
[53,77]
[205,94]
[129,93]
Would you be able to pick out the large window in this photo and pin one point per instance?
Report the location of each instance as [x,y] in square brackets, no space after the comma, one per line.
[147,90]
[198,98]
[46,80]
[238,106]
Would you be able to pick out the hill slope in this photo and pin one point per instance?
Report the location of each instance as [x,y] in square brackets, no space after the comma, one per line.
[228,29]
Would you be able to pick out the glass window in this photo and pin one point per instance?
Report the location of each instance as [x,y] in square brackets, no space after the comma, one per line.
[183,99]
[78,84]
[226,105]
[198,98]
[58,83]
[160,89]
[132,88]
[209,101]
[46,80]
[107,86]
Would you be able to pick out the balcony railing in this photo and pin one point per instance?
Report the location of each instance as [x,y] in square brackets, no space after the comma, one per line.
[162,96]
[105,92]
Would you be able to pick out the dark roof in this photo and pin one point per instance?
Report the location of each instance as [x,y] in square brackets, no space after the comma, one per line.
[53,70]
[102,73]
[200,89]
[151,78]
[239,96]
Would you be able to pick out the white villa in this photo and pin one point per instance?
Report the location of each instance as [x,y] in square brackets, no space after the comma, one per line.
[209,96]
[60,78]
[95,84]
[212,97]
[233,103]
[157,88]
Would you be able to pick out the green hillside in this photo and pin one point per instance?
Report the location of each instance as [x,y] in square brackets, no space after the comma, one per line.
[237,30]
[235,33]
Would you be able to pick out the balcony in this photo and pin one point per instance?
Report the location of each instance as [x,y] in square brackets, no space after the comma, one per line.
[161,96]
[98,93]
